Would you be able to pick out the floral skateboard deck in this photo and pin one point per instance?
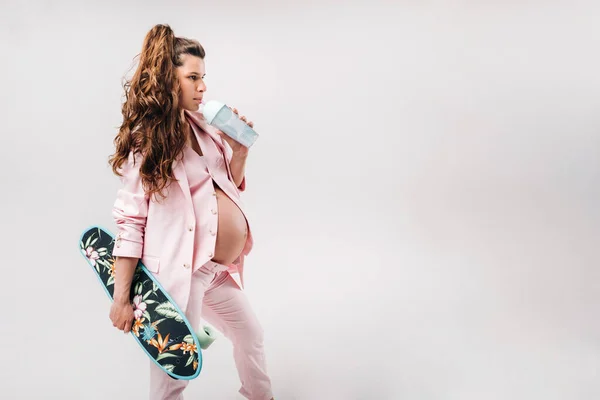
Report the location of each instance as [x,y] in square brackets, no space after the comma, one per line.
[160,327]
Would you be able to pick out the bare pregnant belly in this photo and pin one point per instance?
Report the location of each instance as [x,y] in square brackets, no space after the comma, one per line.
[232,230]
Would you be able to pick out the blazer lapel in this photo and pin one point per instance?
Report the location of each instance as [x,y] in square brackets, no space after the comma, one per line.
[178,167]
[198,119]
[181,176]
[201,123]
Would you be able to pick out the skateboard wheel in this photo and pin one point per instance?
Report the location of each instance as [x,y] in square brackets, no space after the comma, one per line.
[206,336]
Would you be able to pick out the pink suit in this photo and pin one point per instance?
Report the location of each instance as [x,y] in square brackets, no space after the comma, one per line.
[175,238]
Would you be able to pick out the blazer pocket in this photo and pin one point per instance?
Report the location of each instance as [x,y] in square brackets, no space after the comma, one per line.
[151,263]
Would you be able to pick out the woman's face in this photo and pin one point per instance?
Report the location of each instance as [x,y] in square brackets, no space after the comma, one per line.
[191,80]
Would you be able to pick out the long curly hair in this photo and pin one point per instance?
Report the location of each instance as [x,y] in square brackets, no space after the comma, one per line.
[152,119]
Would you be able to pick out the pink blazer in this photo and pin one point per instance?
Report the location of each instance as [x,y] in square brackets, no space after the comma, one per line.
[160,232]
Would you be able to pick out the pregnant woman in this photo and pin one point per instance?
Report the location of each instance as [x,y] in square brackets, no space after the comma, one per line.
[179,208]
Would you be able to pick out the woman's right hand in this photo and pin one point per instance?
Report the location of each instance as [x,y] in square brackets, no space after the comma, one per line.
[121,315]
[121,310]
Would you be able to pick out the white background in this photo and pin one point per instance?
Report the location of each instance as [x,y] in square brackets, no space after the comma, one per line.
[424,194]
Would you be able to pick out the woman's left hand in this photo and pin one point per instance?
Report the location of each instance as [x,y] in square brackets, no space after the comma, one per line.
[238,148]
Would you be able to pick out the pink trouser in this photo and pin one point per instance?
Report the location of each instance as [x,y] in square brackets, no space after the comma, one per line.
[217,299]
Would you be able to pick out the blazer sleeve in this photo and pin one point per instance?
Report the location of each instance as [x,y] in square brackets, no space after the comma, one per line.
[229,156]
[130,210]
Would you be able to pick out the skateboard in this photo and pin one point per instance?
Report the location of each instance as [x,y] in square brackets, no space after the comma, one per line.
[159,327]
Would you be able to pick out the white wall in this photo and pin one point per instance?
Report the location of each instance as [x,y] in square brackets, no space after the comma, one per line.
[423,194]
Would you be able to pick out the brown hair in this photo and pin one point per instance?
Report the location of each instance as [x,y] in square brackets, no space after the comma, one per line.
[152,120]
